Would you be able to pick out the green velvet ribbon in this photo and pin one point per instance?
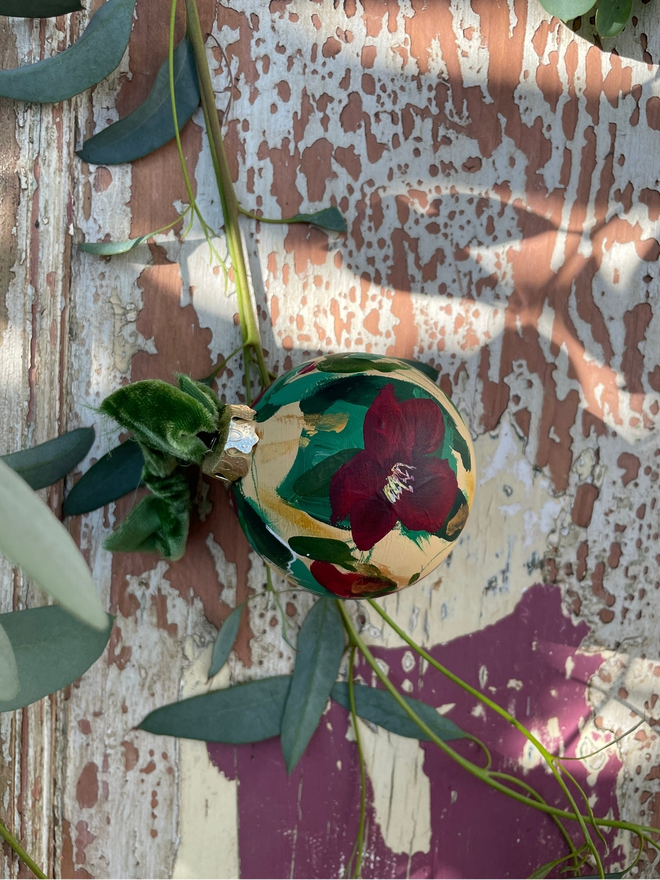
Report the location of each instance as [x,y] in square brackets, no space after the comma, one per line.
[167,423]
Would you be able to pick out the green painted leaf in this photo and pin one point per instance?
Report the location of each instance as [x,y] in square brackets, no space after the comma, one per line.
[320,647]
[264,541]
[88,61]
[355,363]
[48,462]
[8,670]
[427,369]
[316,480]
[328,218]
[323,550]
[380,707]
[567,10]
[225,640]
[110,248]
[245,713]
[116,474]
[38,8]
[612,16]
[52,649]
[33,538]
[150,125]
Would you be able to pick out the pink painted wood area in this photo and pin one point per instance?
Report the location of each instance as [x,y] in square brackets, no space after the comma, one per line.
[305,825]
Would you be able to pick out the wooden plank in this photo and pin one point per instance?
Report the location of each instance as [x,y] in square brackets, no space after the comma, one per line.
[502,207]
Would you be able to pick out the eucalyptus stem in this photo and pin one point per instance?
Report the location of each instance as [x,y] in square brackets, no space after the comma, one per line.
[20,852]
[248,320]
[547,756]
[359,842]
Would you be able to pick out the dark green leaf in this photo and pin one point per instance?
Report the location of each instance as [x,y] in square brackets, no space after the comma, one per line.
[52,649]
[88,61]
[245,713]
[225,640]
[427,369]
[151,124]
[317,479]
[380,707]
[38,8]
[320,646]
[48,462]
[616,874]
[110,248]
[612,16]
[567,10]
[323,550]
[116,474]
[328,218]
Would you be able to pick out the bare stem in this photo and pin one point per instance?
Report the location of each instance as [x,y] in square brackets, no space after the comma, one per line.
[228,200]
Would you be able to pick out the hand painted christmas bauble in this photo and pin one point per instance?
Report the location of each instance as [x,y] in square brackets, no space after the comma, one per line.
[362,478]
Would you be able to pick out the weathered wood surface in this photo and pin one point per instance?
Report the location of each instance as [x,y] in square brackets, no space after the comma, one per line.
[499,176]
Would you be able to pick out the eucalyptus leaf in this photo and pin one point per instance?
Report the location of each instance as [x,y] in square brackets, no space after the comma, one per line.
[110,248]
[567,10]
[320,647]
[116,474]
[151,124]
[52,649]
[48,462]
[245,713]
[225,640]
[33,538]
[38,8]
[8,670]
[380,707]
[612,16]
[88,61]
[329,218]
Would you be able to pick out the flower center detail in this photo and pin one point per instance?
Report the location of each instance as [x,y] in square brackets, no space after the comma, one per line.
[398,481]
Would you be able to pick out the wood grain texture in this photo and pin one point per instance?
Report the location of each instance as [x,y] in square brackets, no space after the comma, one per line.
[499,180]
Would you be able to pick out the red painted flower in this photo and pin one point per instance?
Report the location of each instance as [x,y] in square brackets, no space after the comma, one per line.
[395,478]
[350,584]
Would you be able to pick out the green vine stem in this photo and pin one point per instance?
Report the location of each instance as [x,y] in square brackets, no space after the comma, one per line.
[486,775]
[547,756]
[20,852]
[229,202]
[359,841]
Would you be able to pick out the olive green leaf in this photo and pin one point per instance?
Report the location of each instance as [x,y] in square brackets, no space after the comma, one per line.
[151,124]
[567,10]
[48,462]
[116,474]
[356,363]
[162,417]
[52,649]
[38,8]
[8,670]
[320,647]
[612,16]
[245,713]
[225,640]
[33,538]
[380,707]
[88,61]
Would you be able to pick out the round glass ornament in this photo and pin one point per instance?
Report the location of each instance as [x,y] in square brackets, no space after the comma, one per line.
[362,479]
